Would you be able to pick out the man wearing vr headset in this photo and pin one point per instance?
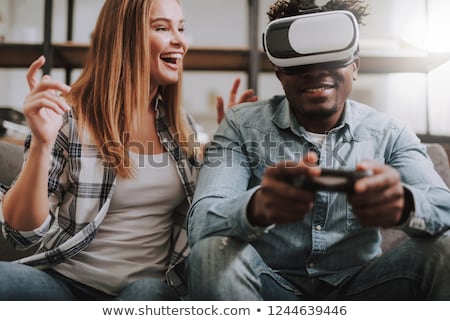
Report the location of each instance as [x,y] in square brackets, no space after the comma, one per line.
[258,236]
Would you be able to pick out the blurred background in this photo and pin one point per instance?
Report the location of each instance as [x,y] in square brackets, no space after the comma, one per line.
[405,50]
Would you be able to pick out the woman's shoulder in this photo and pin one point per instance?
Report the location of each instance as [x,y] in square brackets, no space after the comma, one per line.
[68,133]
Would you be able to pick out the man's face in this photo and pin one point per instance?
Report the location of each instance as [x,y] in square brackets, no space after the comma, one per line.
[318,92]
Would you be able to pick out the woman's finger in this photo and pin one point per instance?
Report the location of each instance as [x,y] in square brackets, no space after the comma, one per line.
[233,92]
[247,96]
[220,109]
[55,86]
[47,98]
[36,105]
[32,70]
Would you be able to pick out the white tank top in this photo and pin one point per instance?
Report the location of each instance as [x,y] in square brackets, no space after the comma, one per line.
[134,240]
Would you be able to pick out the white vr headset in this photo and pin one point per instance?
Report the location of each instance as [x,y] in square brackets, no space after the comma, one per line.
[329,37]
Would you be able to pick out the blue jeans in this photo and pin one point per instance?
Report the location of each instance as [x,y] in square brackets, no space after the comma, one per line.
[25,283]
[221,268]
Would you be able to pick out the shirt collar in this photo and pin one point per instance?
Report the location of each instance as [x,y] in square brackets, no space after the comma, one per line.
[283,117]
[158,103]
[282,114]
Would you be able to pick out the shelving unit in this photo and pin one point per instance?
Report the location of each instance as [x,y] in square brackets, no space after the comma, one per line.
[69,55]
[72,55]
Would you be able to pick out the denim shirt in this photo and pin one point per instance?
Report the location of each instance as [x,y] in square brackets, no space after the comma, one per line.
[330,242]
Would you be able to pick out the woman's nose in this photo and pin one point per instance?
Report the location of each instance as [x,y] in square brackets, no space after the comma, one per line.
[179,38]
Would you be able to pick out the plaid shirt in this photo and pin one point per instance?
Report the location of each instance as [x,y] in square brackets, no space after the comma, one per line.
[80,188]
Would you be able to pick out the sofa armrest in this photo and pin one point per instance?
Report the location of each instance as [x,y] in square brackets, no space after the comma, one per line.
[11,159]
[440,160]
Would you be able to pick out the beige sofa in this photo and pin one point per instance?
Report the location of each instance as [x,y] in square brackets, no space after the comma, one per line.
[11,157]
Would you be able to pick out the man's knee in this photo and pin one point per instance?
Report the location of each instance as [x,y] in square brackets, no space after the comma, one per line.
[223,268]
[434,246]
[431,253]
[216,248]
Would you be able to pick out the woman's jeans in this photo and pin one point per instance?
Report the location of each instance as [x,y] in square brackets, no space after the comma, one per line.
[25,283]
[221,268]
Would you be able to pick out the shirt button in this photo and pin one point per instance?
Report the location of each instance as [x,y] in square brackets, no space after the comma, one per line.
[318,227]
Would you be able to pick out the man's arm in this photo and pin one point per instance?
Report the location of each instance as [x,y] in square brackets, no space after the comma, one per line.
[407,191]
[224,203]
[221,195]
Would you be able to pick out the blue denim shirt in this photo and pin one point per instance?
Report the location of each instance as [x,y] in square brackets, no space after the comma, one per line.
[330,242]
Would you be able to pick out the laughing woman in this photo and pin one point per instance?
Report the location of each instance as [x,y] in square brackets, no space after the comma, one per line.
[110,167]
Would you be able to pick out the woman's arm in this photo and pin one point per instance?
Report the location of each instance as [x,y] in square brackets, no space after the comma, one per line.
[25,206]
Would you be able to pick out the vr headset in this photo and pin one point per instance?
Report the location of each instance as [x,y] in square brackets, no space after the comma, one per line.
[330,38]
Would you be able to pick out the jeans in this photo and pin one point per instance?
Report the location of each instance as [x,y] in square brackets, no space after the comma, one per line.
[25,283]
[221,268]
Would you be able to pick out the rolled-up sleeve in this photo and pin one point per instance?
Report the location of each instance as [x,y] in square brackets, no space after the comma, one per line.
[430,194]
[222,194]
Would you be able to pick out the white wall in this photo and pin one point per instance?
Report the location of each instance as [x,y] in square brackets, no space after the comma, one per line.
[4,9]
[219,23]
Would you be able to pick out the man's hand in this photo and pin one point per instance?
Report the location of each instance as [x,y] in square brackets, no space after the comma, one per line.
[379,200]
[247,96]
[278,201]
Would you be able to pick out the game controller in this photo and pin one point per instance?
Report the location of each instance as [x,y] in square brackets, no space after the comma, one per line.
[331,180]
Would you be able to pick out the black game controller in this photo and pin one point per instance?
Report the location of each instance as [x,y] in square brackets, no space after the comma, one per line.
[335,180]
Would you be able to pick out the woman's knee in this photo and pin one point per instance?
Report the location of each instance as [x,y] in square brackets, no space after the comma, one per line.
[22,282]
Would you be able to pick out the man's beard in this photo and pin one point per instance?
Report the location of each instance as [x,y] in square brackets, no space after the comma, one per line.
[319,114]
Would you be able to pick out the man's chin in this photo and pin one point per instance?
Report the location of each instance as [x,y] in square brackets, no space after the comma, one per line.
[314,111]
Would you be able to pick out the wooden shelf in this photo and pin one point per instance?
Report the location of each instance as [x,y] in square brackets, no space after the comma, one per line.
[398,62]
[18,55]
[70,55]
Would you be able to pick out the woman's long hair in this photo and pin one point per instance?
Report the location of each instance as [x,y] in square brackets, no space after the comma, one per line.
[114,85]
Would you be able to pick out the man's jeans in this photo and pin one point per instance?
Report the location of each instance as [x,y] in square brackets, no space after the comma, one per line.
[221,268]
[25,283]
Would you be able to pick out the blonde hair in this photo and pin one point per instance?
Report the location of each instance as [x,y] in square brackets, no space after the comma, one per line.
[116,80]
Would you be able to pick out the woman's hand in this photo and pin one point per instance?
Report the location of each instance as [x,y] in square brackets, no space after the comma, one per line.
[43,106]
[247,96]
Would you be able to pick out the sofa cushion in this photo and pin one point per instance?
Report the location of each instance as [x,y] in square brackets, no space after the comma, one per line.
[11,158]
[440,160]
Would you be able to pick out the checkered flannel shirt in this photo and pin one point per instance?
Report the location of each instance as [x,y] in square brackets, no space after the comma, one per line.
[80,188]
